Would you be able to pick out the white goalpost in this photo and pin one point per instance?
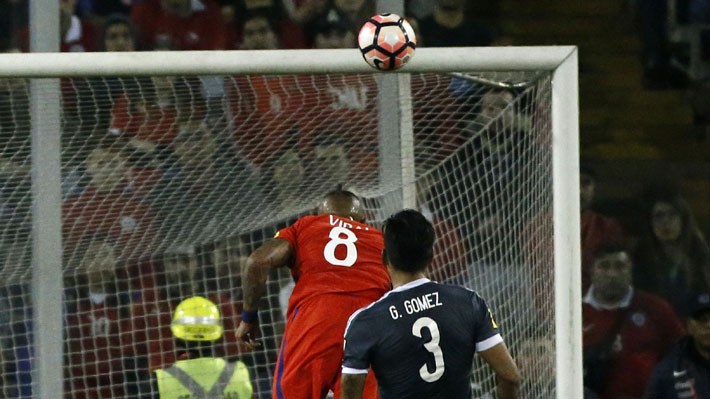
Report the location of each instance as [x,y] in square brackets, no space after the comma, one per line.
[173,166]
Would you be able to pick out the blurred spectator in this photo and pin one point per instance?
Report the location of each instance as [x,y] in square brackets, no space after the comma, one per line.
[96,329]
[655,53]
[14,16]
[109,206]
[624,328]
[237,12]
[333,30]
[119,34]
[103,8]
[330,161]
[228,257]
[78,34]
[450,262]
[449,26]
[356,11]
[596,228]
[287,177]
[685,372]
[186,24]
[302,11]
[536,357]
[672,257]
[258,33]
[200,183]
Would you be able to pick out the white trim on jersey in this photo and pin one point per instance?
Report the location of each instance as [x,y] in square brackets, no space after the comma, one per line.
[350,370]
[412,284]
[488,343]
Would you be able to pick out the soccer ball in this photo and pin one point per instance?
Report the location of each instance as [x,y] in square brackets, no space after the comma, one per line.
[387,41]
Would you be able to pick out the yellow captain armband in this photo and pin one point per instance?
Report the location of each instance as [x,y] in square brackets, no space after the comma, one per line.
[495,325]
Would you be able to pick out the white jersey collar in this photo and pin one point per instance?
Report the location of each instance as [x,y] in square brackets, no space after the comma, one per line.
[412,284]
[623,303]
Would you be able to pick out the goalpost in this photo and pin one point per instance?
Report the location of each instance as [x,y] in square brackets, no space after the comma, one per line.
[174,165]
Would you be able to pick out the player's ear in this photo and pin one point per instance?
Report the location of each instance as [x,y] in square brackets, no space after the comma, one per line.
[385,258]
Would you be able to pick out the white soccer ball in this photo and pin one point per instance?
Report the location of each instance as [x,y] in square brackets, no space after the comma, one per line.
[387,41]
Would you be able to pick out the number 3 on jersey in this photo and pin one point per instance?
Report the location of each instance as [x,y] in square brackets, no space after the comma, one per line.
[431,346]
[335,241]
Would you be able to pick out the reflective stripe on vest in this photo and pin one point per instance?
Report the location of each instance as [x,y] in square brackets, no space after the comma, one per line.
[197,391]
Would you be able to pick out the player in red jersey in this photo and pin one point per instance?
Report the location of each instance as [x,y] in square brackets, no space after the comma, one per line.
[336,261]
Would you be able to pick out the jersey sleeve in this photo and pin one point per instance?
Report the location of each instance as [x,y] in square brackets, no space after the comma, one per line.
[289,233]
[359,343]
[487,335]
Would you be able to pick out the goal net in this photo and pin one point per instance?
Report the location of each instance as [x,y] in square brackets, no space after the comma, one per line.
[168,183]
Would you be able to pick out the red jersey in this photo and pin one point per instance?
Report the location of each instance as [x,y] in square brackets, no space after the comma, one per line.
[649,329]
[335,255]
[95,347]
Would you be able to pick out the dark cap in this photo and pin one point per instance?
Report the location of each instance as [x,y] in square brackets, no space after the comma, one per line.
[698,302]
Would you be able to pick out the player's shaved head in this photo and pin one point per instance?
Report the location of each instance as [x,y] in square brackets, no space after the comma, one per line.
[343,203]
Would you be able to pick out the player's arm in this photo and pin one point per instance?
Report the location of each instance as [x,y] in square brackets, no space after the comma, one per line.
[507,374]
[352,385]
[272,254]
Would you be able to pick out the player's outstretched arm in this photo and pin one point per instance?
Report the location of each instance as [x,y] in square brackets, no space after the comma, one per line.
[352,385]
[272,254]
[507,374]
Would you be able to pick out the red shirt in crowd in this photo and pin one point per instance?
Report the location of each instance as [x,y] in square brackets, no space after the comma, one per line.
[95,350]
[649,329]
[118,215]
[203,30]
[335,255]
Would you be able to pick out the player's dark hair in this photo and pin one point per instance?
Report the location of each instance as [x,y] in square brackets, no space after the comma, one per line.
[409,241]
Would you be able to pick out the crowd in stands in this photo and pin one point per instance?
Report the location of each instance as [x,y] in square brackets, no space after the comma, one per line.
[149,218]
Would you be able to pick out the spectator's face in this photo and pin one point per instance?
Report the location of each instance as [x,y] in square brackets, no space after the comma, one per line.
[258,35]
[106,168]
[611,275]
[194,145]
[332,163]
[288,169]
[99,263]
[335,39]
[493,103]
[666,221]
[586,190]
[118,38]
[699,328]
[163,84]
[180,8]
[537,355]
[349,6]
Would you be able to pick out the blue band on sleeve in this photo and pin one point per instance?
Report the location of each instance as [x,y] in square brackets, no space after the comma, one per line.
[249,317]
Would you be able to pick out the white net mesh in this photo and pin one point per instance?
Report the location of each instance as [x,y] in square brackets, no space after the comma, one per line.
[169,183]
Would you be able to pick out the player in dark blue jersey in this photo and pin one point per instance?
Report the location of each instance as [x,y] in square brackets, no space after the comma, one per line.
[420,338]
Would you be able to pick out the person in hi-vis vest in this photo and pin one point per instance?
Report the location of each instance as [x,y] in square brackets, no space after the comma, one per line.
[197,324]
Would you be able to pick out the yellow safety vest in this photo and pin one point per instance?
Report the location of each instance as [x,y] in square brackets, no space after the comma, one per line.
[204,378]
